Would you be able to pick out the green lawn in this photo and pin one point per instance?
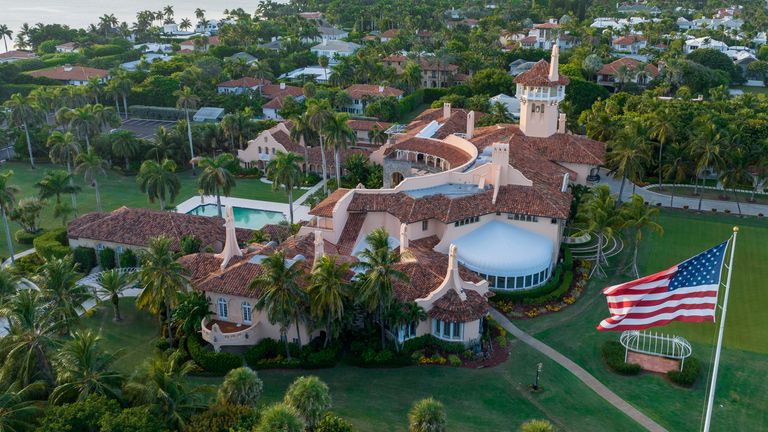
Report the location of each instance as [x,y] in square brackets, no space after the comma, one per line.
[118,190]
[689,192]
[742,385]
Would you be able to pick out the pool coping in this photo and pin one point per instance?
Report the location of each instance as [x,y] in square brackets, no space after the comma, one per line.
[300,212]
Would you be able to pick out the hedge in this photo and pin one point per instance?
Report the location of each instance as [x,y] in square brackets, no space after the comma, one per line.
[26,238]
[269,354]
[688,376]
[518,296]
[128,259]
[85,257]
[613,355]
[218,363]
[565,284]
[52,244]
[156,113]
[429,341]
[410,102]
[107,258]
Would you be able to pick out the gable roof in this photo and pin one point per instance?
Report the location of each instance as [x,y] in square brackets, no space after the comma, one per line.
[336,45]
[359,91]
[246,82]
[538,75]
[628,62]
[70,73]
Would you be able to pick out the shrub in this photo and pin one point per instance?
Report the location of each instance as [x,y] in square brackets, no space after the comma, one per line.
[223,418]
[332,423]
[128,259]
[383,357]
[213,362]
[85,257]
[430,342]
[565,284]
[688,376]
[156,113]
[141,418]
[613,355]
[321,359]
[28,265]
[269,354]
[468,355]
[26,238]
[502,341]
[52,244]
[107,258]
[190,244]
[81,415]
[454,360]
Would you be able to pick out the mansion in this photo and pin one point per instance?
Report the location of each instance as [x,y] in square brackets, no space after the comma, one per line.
[470,209]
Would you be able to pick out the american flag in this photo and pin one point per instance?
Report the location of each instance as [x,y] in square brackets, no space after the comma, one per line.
[685,292]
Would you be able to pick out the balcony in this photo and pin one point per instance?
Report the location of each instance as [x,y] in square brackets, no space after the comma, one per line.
[223,333]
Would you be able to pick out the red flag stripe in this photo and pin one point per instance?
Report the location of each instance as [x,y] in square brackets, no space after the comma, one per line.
[656,323]
[654,302]
[670,309]
[666,274]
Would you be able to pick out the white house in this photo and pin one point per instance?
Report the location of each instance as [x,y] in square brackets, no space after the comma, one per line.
[153,47]
[334,49]
[511,103]
[692,45]
[212,27]
[630,44]
[12,56]
[72,75]
[361,93]
[320,75]
[146,58]
[66,47]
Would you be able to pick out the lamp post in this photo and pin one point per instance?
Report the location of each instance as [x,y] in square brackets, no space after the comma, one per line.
[539,367]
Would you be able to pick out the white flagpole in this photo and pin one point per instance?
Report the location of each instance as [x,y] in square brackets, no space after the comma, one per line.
[711,399]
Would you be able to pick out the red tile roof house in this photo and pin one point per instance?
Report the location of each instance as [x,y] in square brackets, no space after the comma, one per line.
[434,74]
[241,85]
[631,44]
[72,75]
[12,56]
[362,93]
[190,46]
[627,70]
[276,93]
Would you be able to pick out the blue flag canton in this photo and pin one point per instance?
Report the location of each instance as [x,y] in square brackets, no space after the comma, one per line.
[703,269]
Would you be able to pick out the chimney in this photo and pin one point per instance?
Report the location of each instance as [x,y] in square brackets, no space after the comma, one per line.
[403,238]
[282,86]
[231,249]
[319,246]
[561,125]
[553,64]
[381,89]
[67,67]
[500,154]
[470,124]
[446,110]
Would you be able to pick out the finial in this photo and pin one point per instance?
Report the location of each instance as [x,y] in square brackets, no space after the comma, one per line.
[735,229]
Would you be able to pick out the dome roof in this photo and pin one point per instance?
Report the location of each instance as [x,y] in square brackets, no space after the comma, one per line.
[502,249]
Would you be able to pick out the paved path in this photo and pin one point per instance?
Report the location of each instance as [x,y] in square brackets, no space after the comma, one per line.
[692,203]
[7,262]
[579,372]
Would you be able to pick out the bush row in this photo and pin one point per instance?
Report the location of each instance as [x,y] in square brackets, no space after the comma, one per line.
[430,342]
[218,363]
[26,238]
[270,354]
[613,355]
[156,113]
[52,244]
[688,376]
[560,291]
[85,257]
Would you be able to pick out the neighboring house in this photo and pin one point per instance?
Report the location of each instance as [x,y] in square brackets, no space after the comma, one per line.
[271,109]
[626,70]
[271,91]
[468,22]
[760,38]
[633,8]
[630,44]
[145,59]
[151,47]
[208,114]
[743,59]
[692,45]
[511,103]
[312,15]
[545,35]
[333,49]
[66,47]
[275,45]
[241,85]
[388,35]
[620,23]
[242,55]
[434,73]
[72,75]
[363,127]
[361,94]
[520,66]
[211,27]
[315,73]
[16,55]
[329,33]
[199,43]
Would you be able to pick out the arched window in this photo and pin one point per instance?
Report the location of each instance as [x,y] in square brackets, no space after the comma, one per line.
[246,312]
[223,308]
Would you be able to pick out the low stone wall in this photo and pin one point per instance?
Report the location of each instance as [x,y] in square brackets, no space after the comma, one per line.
[653,363]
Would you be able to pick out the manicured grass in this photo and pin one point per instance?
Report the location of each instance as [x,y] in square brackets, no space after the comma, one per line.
[118,190]
[742,386]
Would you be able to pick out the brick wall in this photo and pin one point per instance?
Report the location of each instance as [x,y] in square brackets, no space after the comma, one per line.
[653,363]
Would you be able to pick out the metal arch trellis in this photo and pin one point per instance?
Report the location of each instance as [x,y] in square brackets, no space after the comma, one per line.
[656,344]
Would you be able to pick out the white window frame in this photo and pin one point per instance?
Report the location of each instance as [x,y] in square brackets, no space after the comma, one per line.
[247,312]
[223,308]
[445,330]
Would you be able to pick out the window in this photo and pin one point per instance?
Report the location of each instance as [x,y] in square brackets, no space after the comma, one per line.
[467,221]
[259,149]
[246,312]
[223,308]
[424,225]
[447,330]
[408,331]
[522,217]
[100,246]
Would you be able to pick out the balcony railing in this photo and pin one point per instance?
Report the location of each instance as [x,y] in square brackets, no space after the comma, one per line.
[213,334]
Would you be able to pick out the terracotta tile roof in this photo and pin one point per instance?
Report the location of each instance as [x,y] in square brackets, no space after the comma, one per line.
[70,73]
[212,41]
[631,65]
[450,307]
[453,155]
[426,270]
[247,82]
[456,123]
[16,54]
[538,75]
[359,91]
[134,227]
[350,232]
[315,156]
[275,103]
[528,40]
[546,26]
[367,125]
[390,33]
[273,90]
[628,40]
[325,207]
[276,232]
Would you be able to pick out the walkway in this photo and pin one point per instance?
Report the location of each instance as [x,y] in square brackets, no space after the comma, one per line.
[579,372]
[7,262]
[692,203]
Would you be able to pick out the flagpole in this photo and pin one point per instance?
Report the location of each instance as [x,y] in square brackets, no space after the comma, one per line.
[711,399]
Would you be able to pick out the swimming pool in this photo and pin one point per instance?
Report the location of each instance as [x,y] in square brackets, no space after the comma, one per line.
[244,217]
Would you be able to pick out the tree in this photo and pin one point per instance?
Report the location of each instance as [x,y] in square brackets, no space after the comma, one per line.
[185,24]
[57,280]
[5,32]
[24,112]
[162,277]
[193,307]
[53,184]
[91,166]
[7,202]
[629,154]
[377,136]
[187,100]
[339,135]
[285,170]
[216,177]
[124,145]
[280,417]
[412,76]
[492,81]
[638,217]
[9,284]
[18,407]
[112,283]
[662,129]
[158,181]
[81,416]
[705,146]
[320,114]
[84,369]
[736,171]
[599,216]
[303,133]
[377,263]
[64,149]
[280,293]
[676,166]
[328,290]
[310,397]
[136,419]
[427,415]
[241,386]
[537,426]
[121,86]
[592,65]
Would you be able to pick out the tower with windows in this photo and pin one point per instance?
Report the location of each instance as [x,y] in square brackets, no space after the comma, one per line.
[540,91]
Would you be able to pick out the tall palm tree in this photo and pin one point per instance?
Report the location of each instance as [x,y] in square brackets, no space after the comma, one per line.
[412,76]
[82,119]
[320,113]
[377,136]
[95,89]
[662,129]
[705,147]
[121,86]
[735,171]
[159,181]
[303,133]
[7,202]
[53,184]
[599,216]
[185,24]
[638,217]
[24,112]
[5,32]
[19,407]
[280,293]
[187,100]
[628,156]
[85,369]
[162,146]
[230,127]
[124,145]
[57,280]
[216,178]
[112,283]
[676,166]
[92,166]
[64,149]
[285,169]
[328,289]
[377,263]
[339,135]
[162,277]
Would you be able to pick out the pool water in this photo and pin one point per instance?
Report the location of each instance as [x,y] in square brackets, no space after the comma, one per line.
[244,217]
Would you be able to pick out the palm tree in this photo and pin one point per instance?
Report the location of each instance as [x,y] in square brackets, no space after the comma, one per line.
[55,183]
[638,216]
[736,171]
[705,148]
[85,369]
[339,136]
[162,277]
[158,181]
[24,112]
[57,280]
[7,202]
[377,263]
[285,169]
[303,133]
[662,129]
[91,166]
[628,156]
[427,415]
[216,178]
[187,100]
[94,88]
[162,146]
[412,76]
[5,32]
[19,407]
[377,136]
[676,166]
[230,127]
[599,216]
[537,426]
[280,293]
[185,24]
[328,289]
[124,145]
[112,283]
[120,86]
[320,113]
[9,284]
[310,397]
[280,417]
[241,386]
[64,149]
